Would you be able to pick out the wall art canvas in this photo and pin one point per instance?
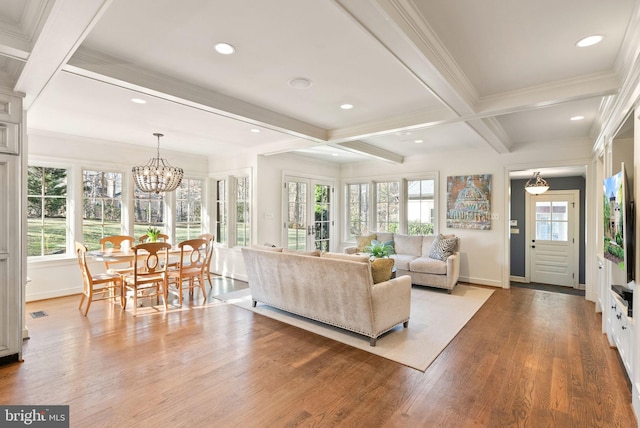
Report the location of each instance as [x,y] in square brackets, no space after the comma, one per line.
[469,202]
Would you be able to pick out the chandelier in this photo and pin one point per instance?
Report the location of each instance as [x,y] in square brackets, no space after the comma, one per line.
[157,175]
[536,184]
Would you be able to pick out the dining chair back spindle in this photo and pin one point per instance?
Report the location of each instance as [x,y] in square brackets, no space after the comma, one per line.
[190,268]
[117,243]
[100,286]
[207,268]
[149,273]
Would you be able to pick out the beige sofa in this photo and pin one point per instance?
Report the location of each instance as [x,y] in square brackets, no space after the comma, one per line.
[334,288]
[412,257]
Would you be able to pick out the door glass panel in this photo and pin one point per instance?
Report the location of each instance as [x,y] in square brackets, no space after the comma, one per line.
[543,230]
[297,215]
[560,211]
[560,231]
[322,216]
[543,211]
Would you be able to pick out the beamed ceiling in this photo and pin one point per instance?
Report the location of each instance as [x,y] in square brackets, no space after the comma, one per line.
[422,75]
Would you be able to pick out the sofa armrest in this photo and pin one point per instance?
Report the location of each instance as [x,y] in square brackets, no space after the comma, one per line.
[350,250]
[453,269]
[391,302]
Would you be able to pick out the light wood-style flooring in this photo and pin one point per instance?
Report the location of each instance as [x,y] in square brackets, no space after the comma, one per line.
[527,359]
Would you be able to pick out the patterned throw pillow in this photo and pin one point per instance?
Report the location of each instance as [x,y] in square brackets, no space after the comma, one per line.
[442,247]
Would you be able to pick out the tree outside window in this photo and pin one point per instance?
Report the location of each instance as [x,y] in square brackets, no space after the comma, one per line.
[101,206]
[148,211]
[243,220]
[420,207]
[388,206]
[358,209]
[221,211]
[46,211]
[188,209]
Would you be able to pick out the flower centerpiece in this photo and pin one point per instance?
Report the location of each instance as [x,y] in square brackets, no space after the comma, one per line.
[152,233]
[379,249]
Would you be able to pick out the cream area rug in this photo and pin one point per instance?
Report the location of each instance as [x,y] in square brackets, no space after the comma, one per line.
[436,318]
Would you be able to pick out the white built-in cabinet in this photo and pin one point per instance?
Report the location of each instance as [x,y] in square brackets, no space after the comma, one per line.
[11,229]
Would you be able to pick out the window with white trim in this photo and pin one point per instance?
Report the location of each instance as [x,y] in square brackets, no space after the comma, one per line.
[46,211]
[420,206]
[357,209]
[388,206]
[188,209]
[221,211]
[243,211]
[101,206]
[148,211]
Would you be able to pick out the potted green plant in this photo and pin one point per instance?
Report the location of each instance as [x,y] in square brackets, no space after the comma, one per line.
[152,233]
[379,249]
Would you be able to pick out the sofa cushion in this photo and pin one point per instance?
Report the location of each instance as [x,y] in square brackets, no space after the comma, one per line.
[442,247]
[364,241]
[314,253]
[403,261]
[381,269]
[361,258]
[408,244]
[427,242]
[384,236]
[267,248]
[428,265]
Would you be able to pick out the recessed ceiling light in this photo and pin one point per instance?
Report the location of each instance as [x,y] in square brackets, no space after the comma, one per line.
[334,154]
[138,100]
[225,48]
[346,106]
[589,40]
[300,83]
[419,141]
[577,118]
[255,130]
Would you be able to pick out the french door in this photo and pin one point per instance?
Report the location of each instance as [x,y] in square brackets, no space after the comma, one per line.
[308,214]
[553,235]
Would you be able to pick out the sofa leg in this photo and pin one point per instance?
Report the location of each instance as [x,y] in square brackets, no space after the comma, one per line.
[372,341]
[405,324]
[450,290]
[254,303]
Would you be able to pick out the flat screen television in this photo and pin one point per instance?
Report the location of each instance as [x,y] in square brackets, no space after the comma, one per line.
[618,225]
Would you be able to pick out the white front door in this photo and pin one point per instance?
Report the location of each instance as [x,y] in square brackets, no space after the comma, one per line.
[308,221]
[553,233]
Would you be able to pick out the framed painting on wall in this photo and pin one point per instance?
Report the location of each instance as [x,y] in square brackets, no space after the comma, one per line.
[469,202]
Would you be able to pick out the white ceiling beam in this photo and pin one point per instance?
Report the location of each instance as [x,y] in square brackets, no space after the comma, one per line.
[555,93]
[371,151]
[409,122]
[397,25]
[66,26]
[110,70]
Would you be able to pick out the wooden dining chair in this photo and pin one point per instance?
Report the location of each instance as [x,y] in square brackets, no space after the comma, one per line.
[100,286]
[207,268]
[190,269]
[148,276]
[161,238]
[116,242]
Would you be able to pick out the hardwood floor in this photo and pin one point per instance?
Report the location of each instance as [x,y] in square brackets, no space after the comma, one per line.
[528,358]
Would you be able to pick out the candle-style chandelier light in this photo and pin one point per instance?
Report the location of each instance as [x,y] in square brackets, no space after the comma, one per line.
[157,175]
